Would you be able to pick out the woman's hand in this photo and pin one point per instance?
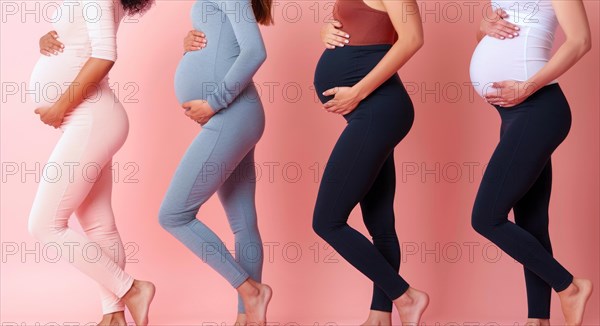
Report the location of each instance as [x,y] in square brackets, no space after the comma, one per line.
[198,110]
[345,100]
[510,93]
[497,27]
[51,115]
[50,45]
[195,40]
[333,36]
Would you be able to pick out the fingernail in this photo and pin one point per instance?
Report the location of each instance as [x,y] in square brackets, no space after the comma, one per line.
[347,41]
[516,34]
[501,37]
[517,28]
[510,36]
[347,35]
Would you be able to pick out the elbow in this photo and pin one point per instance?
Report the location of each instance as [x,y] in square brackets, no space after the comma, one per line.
[586,45]
[582,44]
[260,54]
[415,41]
[257,54]
[419,42]
[412,43]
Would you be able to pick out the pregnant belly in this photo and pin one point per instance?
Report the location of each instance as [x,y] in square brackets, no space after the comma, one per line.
[346,66]
[497,60]
[195,77]
[51,76]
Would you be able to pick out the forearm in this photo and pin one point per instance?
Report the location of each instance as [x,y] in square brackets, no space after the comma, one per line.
[565,57]
[92,72]
[389,65]
[237,79]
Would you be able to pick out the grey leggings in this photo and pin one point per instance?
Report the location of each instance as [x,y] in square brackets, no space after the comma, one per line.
[221,160]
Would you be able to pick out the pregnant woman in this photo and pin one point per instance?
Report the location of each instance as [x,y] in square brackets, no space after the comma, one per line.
[72,93]
[214,88]
[359,81]
[513,69]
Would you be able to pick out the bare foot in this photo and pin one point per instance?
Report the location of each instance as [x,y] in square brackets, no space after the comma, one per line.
[138,300]
[573,300]
[240,320]
[378,318]
[537,322]
[116,318]
[256,297]
[411,306]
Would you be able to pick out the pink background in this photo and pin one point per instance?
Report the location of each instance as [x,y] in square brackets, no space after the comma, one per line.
[452,131]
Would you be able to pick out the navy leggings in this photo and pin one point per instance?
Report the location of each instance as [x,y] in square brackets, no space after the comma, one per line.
[519,177]
[361,171]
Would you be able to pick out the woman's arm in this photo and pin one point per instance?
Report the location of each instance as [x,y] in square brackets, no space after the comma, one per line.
[573,20]
[103,41]
[251,57]
[92,72]
[410,39]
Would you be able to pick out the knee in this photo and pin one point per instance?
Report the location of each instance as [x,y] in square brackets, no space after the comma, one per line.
[481,223]
[35,229]
[318,227]
[169,218]
[39,230]
[323,225]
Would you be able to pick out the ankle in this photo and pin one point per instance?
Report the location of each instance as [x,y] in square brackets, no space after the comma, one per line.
[133,290]
[405,299]
[537,322]
[572,289]
[248,290]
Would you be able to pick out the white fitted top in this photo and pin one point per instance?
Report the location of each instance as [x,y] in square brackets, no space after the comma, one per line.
[87,28]
[518,58]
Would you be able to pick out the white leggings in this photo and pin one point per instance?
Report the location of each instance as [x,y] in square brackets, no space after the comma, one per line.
[92,134]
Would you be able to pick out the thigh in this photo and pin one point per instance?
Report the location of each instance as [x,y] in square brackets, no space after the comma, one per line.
[523,152]
[92,134]
[212,156]
[353,166]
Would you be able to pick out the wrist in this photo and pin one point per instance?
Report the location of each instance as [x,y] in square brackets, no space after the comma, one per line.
[212,104]
[60,106]
[531,86]
[359,91]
